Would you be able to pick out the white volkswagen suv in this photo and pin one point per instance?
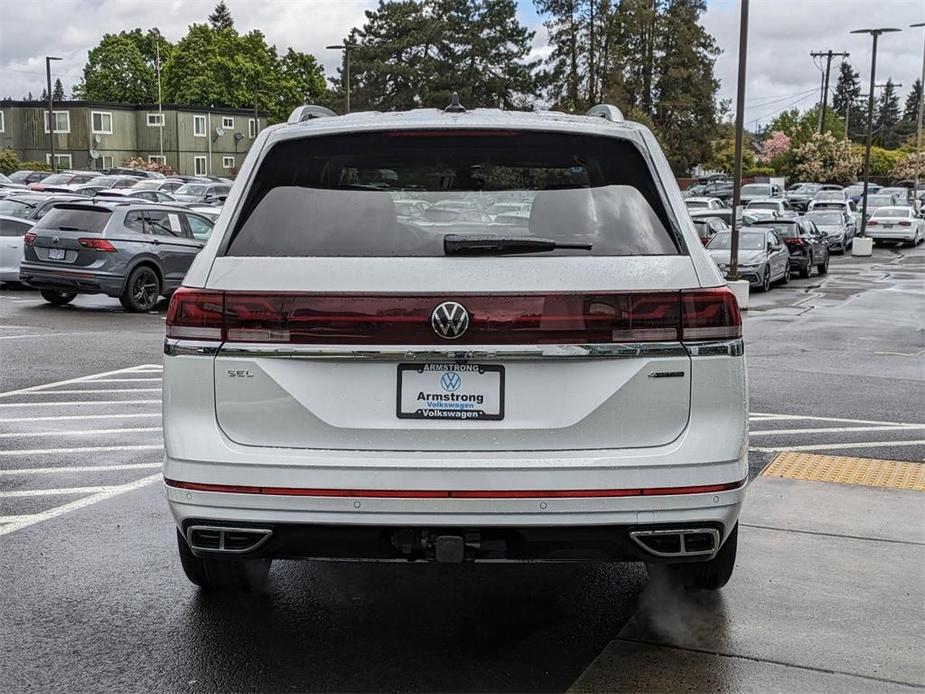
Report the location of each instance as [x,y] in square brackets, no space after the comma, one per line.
[364,363]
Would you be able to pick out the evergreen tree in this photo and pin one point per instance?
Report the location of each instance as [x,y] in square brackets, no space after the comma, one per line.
[221,17]
[57,93]
[886,117]
[846,100]
[29,97]
[44,97]
[909,121]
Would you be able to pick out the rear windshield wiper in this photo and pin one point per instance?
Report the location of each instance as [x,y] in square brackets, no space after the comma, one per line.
[456,244]
[68,229]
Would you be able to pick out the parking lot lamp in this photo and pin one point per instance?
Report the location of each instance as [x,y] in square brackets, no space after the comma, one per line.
[918,129]
[346,48]
[51,115]
[865,247]
[739,135]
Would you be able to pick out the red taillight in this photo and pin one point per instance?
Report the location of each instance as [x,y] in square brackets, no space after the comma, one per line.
[29,238]
[905,224]
[101,245]
[794,241]
[702,314]
[871,223]
[195,314]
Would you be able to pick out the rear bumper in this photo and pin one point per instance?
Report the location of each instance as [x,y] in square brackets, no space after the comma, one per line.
[896,234]
[43,276]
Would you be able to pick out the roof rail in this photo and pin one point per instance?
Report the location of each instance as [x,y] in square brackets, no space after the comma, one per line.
[606,111]
[304,113]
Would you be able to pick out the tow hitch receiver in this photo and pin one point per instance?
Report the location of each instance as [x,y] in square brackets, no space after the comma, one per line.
[449,549]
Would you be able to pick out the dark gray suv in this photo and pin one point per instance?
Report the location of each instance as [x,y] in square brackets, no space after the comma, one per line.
[133,252]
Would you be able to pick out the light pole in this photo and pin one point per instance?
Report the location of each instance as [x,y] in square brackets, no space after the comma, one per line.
[737,167]
[918,130]
[346,48]
[51,115]
[866,246]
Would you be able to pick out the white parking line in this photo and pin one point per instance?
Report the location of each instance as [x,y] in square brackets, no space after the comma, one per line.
[94,390]
[15,523]
[62,491]
[71,403]
[144,368]
[82,432]
[124,380]
[86,449]
[79,468]
[52,418]
[827,419]
[836,446]
[838,430]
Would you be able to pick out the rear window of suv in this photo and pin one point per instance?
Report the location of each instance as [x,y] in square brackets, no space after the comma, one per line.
[400,193]
[75,219]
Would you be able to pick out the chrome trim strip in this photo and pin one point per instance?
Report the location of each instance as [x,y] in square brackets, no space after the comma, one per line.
[190,348]
[480,352]
[262,533]
[720,348]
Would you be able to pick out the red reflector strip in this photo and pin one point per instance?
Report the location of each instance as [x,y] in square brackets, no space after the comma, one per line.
[455,494]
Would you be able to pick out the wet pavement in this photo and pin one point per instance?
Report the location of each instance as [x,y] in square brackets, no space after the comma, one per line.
[94,598]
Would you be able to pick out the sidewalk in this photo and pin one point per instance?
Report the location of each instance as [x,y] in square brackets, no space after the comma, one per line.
[828,594]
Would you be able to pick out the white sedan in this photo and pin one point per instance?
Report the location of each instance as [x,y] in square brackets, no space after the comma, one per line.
[896,224]
[704,203]
[12,230]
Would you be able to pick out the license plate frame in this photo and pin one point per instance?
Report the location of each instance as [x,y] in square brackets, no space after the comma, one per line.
[468,410]
[57,254]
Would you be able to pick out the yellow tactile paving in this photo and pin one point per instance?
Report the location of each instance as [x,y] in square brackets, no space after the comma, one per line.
[893,474]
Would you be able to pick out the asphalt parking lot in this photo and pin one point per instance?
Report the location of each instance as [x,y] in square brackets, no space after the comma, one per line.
[95,600]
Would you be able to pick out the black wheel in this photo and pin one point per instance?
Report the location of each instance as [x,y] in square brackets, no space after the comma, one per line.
[823,267]
[241,575]
[709,575]
[805,272]
[766,280]
[57,298]
[141,290]
[787,273]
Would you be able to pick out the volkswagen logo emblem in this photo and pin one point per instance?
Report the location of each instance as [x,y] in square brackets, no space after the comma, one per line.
[55,240]
[450,320]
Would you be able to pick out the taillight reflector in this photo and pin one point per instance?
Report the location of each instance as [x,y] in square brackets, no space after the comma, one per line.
[700,314]
[101,245]
[905,224]
[29,238]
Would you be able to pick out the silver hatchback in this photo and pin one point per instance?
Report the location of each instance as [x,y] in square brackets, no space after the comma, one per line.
[135,253]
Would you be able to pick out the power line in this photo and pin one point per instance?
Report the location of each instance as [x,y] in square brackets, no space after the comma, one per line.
[780,98]
[828,55]
[785,108]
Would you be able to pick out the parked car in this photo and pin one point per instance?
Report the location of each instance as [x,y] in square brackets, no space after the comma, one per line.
[12,231]
[836,226]
[151,195]
[708,227]
[763,257]
[896,224]
[135,173]
[64,182]
[808,246]
[134,252]
[704,204]
[34,206]
[848,207]
[398,449]
[800,194]
[903,196]
[753,191]
[856,191]
[27,176]
[165,185]
[828,195]
[764,208]
[202,192]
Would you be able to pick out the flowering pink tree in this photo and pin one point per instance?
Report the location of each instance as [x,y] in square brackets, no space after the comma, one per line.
[774,145]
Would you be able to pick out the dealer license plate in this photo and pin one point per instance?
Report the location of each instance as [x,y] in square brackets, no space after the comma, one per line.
[450,391]
[56,253]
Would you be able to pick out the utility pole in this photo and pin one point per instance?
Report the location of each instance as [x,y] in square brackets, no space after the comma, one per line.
[51,115]
[160,102]
[739,138]
[918,130]
[828,55]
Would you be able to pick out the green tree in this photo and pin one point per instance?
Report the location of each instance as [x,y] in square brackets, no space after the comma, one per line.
[886,117]
[301,80]
[190,73]
[846,100]
[221,17]
[116,71]
[909,121]
[57,93]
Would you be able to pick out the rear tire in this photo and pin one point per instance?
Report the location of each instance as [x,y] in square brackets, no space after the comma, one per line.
[766,280]
[232,575]
[808,270]
[713,574]
[823,267]
[141,291]
[56,297]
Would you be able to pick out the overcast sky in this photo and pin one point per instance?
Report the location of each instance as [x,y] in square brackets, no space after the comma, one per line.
[782,33]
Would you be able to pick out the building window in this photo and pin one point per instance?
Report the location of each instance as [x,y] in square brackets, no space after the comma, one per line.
[103,162]
[62,161]
[101,123]
[2,122]
[62,121]
[155,120]
[199,126]
[159,158]
[252,127]
[228,162]
[228,122]
[199,166]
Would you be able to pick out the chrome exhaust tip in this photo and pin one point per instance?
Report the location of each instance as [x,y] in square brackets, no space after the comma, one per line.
[678,542]
[226,540]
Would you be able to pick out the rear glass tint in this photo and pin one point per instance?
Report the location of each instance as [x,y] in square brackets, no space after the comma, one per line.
[400,193]
[74,219]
